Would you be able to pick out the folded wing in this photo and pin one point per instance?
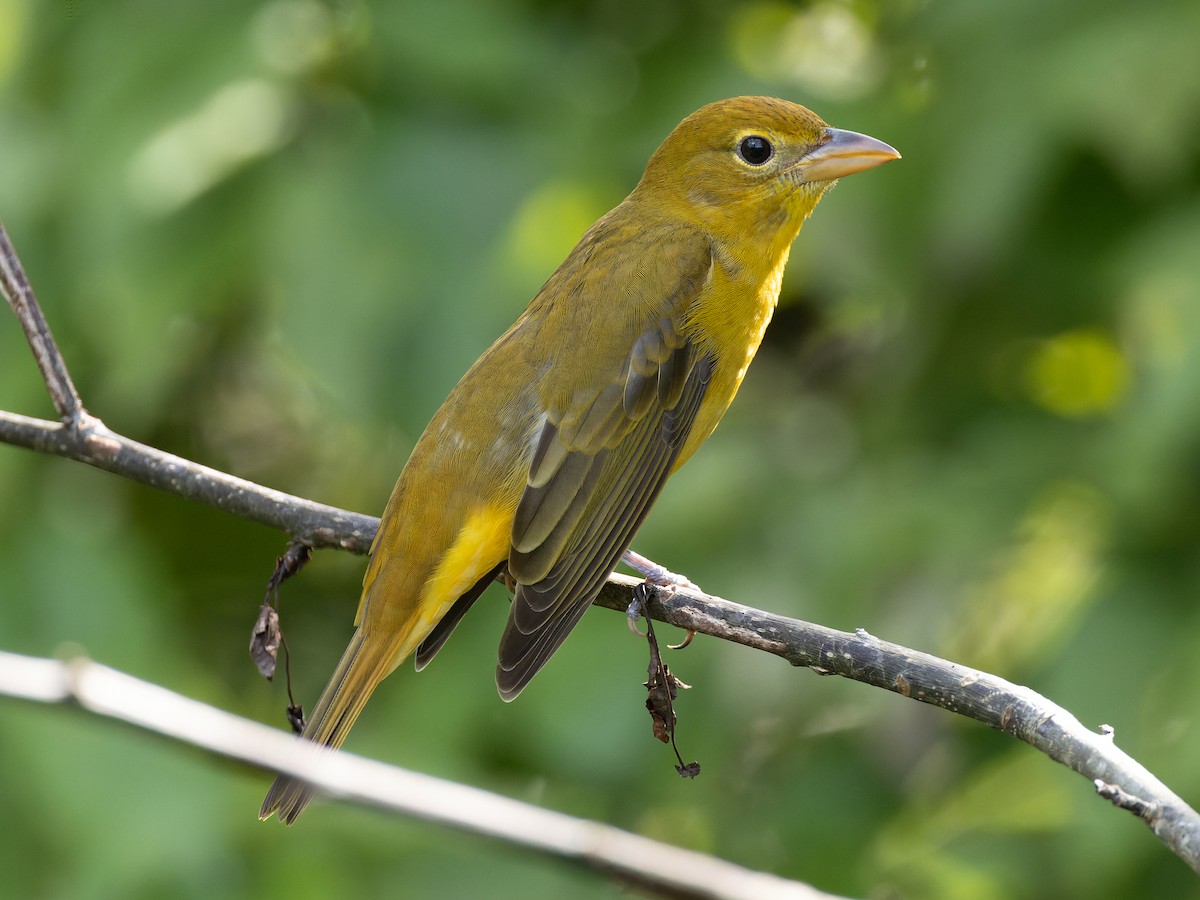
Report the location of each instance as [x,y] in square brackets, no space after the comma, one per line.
[595,473]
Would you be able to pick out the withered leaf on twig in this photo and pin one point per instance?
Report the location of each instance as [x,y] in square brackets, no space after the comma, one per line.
[294,558]
[264,641]
[662,687]
[267,636]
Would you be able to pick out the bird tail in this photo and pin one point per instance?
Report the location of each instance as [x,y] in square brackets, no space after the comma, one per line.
[364,664]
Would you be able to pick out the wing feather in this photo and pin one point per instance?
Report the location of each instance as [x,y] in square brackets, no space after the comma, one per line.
[556,504]
[550,599]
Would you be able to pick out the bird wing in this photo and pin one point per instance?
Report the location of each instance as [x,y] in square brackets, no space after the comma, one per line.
[597,468]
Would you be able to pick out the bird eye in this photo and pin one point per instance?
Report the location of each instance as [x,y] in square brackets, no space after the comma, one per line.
[755,150]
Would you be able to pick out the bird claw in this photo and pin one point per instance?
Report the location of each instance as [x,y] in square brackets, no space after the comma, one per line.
[633,622]
[687,639]
[636,605]
[634,611]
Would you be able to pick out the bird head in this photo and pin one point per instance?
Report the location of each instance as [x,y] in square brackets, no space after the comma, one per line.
[754,160]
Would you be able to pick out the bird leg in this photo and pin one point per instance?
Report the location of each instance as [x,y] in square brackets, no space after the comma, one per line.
[658,576]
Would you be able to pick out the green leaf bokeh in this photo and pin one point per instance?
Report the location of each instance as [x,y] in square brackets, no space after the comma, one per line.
[270,237]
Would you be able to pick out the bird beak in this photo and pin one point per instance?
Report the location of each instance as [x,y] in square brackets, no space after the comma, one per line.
[844,153]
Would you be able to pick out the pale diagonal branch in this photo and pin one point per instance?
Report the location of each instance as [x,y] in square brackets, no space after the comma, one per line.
[629,858]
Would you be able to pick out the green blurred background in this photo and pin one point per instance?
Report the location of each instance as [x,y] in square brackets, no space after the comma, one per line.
[271,236]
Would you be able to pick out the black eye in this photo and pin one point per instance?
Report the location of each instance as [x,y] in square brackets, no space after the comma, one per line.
[755,150]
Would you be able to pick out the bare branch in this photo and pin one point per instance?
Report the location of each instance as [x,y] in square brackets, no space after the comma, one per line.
[20,296]
[1009,707]
[628,858]
[89,440]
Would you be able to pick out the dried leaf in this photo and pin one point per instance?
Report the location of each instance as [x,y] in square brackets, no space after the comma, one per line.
[267,635]
[662,687]
[264,641]
[294,558]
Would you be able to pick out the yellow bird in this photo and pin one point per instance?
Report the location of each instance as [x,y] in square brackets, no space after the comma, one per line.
[549,452]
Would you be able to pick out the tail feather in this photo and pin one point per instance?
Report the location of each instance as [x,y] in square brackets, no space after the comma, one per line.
[364,664]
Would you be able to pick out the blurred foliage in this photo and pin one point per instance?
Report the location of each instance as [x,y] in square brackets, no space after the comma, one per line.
[270,237]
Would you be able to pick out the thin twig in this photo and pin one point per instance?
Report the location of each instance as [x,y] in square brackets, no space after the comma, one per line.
[629,858]
[20,296]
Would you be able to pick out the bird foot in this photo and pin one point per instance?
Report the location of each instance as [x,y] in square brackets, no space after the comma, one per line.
[659,577]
